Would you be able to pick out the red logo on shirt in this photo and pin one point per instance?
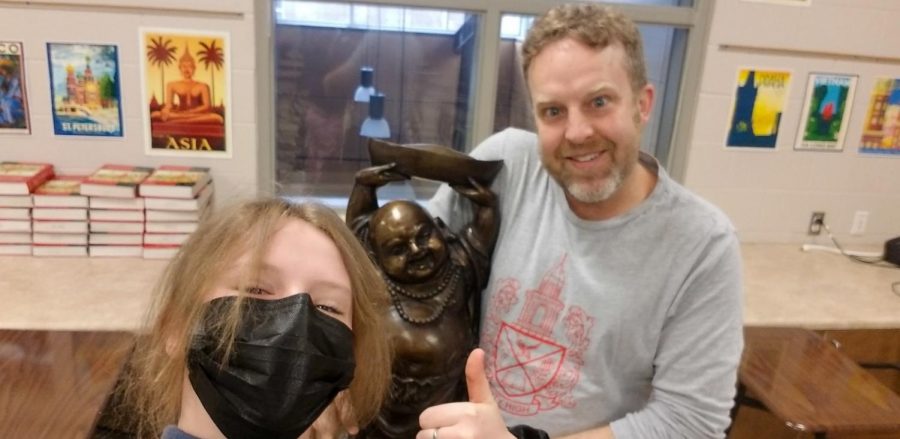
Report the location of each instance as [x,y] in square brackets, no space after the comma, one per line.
[531,370]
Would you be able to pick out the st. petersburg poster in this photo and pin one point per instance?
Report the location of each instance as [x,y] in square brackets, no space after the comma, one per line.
[84,89]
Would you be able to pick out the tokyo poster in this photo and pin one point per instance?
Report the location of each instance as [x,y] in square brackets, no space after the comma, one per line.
[758,107]
[84,89]
[13,99]
[826,112]
[186,92]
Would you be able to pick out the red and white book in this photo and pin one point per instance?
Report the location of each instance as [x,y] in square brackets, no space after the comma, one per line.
[170,226]
[16,201]
[117,203]
[175,182]
[60,226]
[203,198]
[22,178]
[116,227]
[15,213]
[119,181]
[116,251]
[15,238]
[115,239]
[59,213]
[165,239]
[59,250]
[174,215]
[160,251]
[15,226]
[61,191]
[15,249]
[116,215]
[60,238]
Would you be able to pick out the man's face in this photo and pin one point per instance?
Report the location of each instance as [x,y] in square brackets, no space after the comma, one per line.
[407,243]
[589,120]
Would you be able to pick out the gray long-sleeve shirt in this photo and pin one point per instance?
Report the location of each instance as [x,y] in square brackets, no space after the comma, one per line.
[633,321]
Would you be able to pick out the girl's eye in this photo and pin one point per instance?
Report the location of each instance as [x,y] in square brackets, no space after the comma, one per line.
[328,309]
[257,291]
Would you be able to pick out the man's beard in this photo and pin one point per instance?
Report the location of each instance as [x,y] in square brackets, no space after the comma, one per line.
[590,192]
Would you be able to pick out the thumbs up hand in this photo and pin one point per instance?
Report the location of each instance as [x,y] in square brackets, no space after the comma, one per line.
[477,419]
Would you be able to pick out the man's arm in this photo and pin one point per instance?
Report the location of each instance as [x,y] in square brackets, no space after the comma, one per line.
[695,367]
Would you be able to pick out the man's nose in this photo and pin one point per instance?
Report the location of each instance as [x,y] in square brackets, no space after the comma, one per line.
[578,127]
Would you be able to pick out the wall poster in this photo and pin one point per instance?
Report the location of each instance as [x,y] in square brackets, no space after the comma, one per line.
[758,106]
[826,112]
[186,92]
[13,99]
[881,129]
[84,89]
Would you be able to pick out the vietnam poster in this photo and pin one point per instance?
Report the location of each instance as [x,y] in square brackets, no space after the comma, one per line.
[185,85]
[13,99]
[84,89]
[826,111]
[758,106]
[881,129]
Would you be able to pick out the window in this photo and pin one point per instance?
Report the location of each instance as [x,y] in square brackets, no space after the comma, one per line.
[421,60]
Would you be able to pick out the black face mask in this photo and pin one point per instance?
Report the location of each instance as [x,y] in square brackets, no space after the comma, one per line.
[288,362]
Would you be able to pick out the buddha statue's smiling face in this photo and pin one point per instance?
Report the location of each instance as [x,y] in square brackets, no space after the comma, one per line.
[408,245]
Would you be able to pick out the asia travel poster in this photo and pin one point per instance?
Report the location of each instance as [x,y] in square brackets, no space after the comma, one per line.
[84,89]
[881,129]
[185,89]
[759,103]
[13,99]
[826,112]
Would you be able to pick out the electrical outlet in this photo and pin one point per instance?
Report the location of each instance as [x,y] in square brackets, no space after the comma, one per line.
[860,220]
[815,223]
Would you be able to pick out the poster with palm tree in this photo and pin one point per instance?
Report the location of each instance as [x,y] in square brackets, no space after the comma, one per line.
[186,92]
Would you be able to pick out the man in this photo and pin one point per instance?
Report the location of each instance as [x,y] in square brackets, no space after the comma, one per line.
[613,309]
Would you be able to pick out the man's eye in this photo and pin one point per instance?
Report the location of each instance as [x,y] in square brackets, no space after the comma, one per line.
[257,291]
[599,101]
[551,112]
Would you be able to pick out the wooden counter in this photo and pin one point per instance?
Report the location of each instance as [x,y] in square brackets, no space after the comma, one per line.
[784,286]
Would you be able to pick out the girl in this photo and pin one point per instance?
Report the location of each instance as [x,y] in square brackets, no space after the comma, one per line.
[256,326]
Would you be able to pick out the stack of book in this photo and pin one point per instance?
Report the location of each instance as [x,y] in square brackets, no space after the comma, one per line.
[60,218]
[17,181]
[176,198]
[116,214]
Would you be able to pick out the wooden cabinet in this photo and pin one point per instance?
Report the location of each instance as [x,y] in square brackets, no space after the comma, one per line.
[864,346]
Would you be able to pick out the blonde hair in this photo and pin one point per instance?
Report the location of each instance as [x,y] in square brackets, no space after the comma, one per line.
[596,26]
[156,373]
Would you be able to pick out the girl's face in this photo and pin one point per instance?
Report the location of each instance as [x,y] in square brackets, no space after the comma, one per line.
[300,259]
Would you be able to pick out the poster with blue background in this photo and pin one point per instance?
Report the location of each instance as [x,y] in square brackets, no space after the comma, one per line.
[85,90]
